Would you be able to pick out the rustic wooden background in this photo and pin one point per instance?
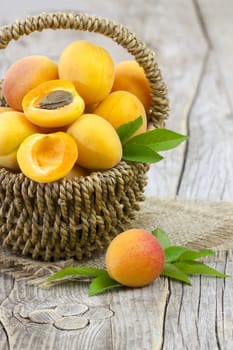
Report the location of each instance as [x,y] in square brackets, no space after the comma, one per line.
[194,47]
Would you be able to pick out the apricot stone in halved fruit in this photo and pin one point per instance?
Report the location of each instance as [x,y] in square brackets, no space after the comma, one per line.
[54,103]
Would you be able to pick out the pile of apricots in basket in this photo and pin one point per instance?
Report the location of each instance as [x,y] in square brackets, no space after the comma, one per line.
[61,117]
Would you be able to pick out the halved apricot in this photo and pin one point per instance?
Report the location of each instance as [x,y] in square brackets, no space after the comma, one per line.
[47,158]
[53,103]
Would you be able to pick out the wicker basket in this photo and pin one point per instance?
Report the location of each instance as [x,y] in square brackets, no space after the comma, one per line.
[75,218]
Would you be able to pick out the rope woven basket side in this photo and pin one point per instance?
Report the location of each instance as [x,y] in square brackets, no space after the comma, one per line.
[75,218]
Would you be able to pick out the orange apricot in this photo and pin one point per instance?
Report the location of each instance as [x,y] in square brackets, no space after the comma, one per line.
[14,128]
[98,142]
[90,68]
[121,107]
[25,74]
[46,158]
[135,258]
[54,103]
[129,76]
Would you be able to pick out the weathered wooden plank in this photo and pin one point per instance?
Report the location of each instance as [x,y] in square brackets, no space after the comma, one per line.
[218,22]
[6,286]
[208,169]
[119,319]
[200,316]
[182,52]
[139,317]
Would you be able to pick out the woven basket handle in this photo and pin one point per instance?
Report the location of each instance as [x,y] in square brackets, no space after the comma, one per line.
[117,32]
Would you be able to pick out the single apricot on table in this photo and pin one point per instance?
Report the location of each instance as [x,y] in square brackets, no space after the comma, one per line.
[54,103]
[89,67]
[46,158]
[135,258]
[98,143]
[129,76]
[25,74]
[121,107]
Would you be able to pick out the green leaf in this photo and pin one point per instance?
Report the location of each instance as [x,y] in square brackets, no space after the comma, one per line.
[173,253]
[126,130]
[196,267]
[102,283]
[71,271]
[162,237]
[177,253]
[192,254]
[140,153]
[172,271]
[158,139]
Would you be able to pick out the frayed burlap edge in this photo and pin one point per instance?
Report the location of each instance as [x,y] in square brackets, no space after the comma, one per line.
[192,223]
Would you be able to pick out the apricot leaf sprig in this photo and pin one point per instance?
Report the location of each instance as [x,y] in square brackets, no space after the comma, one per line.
[100,279]
[179,263]
[145,146]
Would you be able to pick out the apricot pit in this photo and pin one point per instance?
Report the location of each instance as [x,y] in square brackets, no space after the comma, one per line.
[55,103]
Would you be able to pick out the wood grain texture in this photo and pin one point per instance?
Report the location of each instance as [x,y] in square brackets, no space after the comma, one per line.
[193,43]
[208,168]
[218,26]
[198,314]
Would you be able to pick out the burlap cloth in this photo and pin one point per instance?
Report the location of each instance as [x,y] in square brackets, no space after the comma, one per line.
[195,224]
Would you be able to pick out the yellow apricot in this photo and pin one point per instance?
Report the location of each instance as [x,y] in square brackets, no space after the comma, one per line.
[9,161]
[90,68]
[25,74]
[77,171]
[46,158]
[129,76]
[134,258]
[121,107]
[14,128]
[54,103]
[98,142]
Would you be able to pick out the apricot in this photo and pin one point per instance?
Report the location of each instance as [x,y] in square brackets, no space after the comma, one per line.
[77,171]
[90,68]
[129,76]
[134,258]
[98,142]
[14,128]
[9,161]
[121,107]
[47,158]
[54,103]
[25,74]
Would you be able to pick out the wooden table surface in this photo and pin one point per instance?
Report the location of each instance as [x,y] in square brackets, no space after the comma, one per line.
[194,47]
